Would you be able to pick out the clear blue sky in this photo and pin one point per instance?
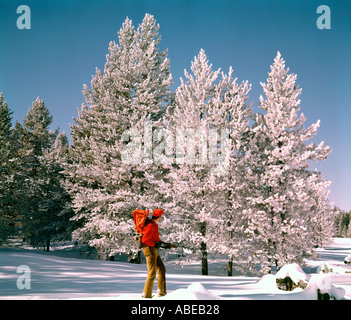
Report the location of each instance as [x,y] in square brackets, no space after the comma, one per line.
[68,39]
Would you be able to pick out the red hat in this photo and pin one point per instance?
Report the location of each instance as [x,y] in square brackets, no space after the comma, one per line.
[157,213]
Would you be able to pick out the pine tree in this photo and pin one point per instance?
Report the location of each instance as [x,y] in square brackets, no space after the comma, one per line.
[342,225]
[203,120]
[287,196]
[187,180]
[52,220]
[7,172]
[34,138]
[230,188]
[105,182]
[321,222]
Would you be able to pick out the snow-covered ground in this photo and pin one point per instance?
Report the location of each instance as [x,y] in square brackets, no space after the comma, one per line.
[56,277]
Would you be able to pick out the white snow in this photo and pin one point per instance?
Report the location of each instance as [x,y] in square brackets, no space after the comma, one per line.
[196,291]
[54,277]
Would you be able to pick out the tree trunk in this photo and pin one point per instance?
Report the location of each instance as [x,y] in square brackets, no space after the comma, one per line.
[138,258]
[230,266]
[204,259]
[47,245]
[204,264]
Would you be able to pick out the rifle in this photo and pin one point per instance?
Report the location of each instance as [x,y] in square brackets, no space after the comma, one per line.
[165,245]
[168,245]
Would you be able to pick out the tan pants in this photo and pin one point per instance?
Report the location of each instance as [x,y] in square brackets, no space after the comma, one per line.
[154,263]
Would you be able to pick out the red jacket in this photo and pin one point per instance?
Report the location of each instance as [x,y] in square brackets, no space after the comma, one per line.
[151,233]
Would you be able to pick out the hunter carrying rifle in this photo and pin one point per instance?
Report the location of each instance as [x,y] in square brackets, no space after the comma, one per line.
[150,242]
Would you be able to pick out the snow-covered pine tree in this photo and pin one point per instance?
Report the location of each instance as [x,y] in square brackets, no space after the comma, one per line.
[34,137]
[105,181]
[7,172]
[235,115]
[320,223]
[186,183]
[287,196]
[201,122]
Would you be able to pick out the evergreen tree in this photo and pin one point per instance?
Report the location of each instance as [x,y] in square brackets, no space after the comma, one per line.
[7,172]
[342,224]
[34,138]
[321,221]
[205,118]
[287,197]
[235,187]
[104,182]
[52,220]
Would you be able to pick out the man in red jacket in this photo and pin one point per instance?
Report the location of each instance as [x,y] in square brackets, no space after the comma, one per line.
[151,238]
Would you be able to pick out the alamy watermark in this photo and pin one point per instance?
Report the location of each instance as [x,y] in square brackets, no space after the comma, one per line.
[324,20]
[180,146]
[24,280]
[24,20]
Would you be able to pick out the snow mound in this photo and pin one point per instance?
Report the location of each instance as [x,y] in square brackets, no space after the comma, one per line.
[315,283]
[196,291]
[322,282]
[347,259]
[267,281]
[294,272]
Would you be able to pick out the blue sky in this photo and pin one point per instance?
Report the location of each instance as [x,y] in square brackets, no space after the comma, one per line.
[68,39]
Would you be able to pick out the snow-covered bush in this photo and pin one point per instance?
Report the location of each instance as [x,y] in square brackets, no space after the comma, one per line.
[291,276]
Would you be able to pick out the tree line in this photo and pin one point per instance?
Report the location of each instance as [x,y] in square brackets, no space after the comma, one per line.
[33,201]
